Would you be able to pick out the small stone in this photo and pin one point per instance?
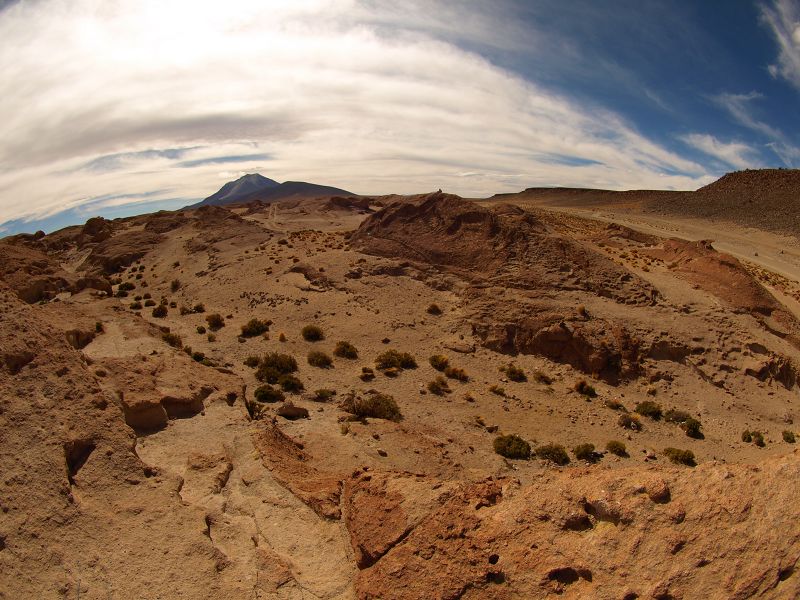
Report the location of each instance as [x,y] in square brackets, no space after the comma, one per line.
[382,452]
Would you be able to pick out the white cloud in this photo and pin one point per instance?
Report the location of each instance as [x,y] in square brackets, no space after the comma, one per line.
[783,18]
[339,92]
[735,154]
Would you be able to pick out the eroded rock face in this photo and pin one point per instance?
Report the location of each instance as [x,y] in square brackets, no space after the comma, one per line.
[580,533]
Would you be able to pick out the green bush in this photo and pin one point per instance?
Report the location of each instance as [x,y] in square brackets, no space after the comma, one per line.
[681,457]
[160,311]
[629,421]
[273,365]
[555,453]
[789,437]
[215,321]
[758,439]
[676,416]
[291,384]
[616,447]
[173,339]
[255,327]
[515,373]
[457,374]
[433,309]
[312,333]
[512,446]
[394,359]
[345,350]
[439,386]
[747,437]
[691,427]
[319,359]
[373,404]
[267,393]
[439,362]
[585,452]
[323,395]
[650,409]
[584,389]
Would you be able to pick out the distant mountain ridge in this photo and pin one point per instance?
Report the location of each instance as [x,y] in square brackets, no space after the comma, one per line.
[257,188]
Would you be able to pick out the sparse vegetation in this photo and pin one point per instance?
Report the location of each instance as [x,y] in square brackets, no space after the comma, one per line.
[200,329]
[317,358]
[789,437]
[433,309]
[160,311]
[367,374]
[691,427]
[439,386]
[512,446]
[98,327]
[629,421]
[497,390]
[268,394]
[514,373]
[394,359]
[676,416]
[756,437]
[126,287]
[747,437]
[439,362]
[173,339]
[255,409]
[175,285]
[649,409]
[374,404]
[251,361]
[345,350]
[135,305]
[584,389]
[585,452]
[255,327]
[617,448]
[555,453]
[215,321]
[543,378]
[681,457]
[457,374]
[291,384]
[323,395]
[312,333]
[199,308]
[615,405]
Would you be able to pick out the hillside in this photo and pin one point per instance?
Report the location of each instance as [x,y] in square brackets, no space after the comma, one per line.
[255,188]
[310,399]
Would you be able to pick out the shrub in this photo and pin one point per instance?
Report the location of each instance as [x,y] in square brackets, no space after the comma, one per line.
[147,296]
[200,329]
[555,453]
[136,306]
[676,416]
[498,391]
[215,321]
[789,437]
[312,333]
[121,294]
[254,409]
[617,447]
[394,359]
[512,446]
[324,394]
[199,308]
[127,286]
[367,374]
[615,405]
[345,350]
[433,309]
[515,373]
[747,437]
[691,427]
[457,374]
[251,361]
[173,339]
[149,302]
[291,384]
[98,327]
[267,393]
[540,377]
[680,457]
[273,365]
[211,337]
[185,310]
[374,404]
[650,409]
[160,311]
[175,285]
[758,438]
[585,452]
[439,362]
[255,327]
[198,356]
[583,388]
[439,386]
[629,421]
[319,359]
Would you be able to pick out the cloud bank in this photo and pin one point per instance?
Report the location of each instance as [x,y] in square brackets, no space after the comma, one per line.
[119,100]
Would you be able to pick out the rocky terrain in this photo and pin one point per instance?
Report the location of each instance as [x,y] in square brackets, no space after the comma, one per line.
[394,397]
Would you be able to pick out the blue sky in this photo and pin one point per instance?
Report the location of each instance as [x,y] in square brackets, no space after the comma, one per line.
[126,106]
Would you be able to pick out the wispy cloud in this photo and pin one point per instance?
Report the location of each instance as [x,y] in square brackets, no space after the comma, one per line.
[364,95]
[735,154]
[783,19]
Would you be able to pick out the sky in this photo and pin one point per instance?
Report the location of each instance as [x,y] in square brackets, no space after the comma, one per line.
[117,107]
